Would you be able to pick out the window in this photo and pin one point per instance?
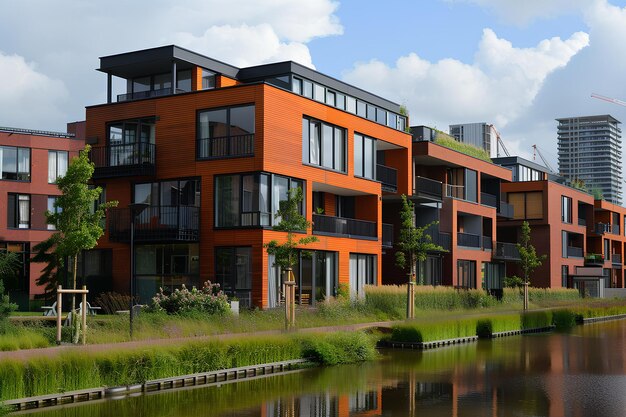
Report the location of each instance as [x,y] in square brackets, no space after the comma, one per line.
[526,205]
[226,132]
[131,142]
[364,156]
[466,274]
[607,250]
[564,243]
[244,200]
[323,145]
[208,79]
[471,185]
[18,209]
[233,271]
[296,85]
[57,165]
[20,281]
[319,92]
[183,80]
[564,276]
[52,209]
[15,163]
[363,270]
[566,209]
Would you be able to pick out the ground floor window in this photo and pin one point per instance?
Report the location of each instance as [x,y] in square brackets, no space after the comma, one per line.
[165,266]
[233,271]
[492,275]
[429,271]
[564,276]
[363,269]
[316,276]
[466,274]
[17,283]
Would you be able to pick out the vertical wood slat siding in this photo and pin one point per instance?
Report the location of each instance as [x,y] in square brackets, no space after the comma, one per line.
[278,149]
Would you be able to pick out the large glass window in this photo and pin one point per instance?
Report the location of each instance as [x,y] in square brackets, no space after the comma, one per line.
[15,163]
[173,205]
[57,165]
[18,211]
[226,132]
[566,209]
[18,281]
[364,156]
[183,81]
[208,79]
[363,271]
[471,185]
[131,142]
[466,274]
[52,209]
[233,271]
[323,145]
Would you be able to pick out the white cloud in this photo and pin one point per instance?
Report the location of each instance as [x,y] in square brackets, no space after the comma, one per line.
[245,45]
[241,32]
[28,98]
[497,87]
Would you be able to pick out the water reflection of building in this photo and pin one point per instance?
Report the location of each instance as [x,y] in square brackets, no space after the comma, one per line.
[326,404]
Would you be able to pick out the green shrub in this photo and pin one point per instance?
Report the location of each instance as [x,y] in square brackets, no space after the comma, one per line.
[210,299]
[6,307]
[536,319]
[340,348]
[407,334]
[563,320]
[484,329]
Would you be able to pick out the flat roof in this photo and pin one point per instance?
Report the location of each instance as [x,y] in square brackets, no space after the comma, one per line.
[32,132]
[599,117]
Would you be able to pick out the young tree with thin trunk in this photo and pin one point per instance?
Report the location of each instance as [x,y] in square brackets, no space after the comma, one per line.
[529,260]
[415,242]
[77,223]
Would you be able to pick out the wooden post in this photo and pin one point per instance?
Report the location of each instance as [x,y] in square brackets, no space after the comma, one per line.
[410,298]
[59,312]
[84,315]
[290,300]
[525,296]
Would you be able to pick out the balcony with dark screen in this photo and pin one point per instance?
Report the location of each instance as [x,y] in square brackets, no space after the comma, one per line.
[123,160]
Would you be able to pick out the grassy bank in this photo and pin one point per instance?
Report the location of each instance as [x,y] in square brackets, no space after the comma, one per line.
[112,368]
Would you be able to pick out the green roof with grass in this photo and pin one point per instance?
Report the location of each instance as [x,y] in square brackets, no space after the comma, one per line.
[448,141]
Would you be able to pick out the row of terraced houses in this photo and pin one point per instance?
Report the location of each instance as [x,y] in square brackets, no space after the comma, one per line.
[201,153]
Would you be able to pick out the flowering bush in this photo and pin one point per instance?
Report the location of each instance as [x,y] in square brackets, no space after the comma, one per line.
[210,299]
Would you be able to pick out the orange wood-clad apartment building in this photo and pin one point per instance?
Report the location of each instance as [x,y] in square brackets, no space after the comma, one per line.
[30,162]
[210,150]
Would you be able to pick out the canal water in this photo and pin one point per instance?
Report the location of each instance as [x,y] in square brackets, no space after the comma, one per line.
[578,374]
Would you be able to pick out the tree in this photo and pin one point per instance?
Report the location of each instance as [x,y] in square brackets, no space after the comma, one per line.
[77,222]
[9,263]
[291,221]
[529,260]
[415,242]
[50,277]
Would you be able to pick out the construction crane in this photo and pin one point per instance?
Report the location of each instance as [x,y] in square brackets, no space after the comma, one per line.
[499,142]
[536,152]
[609,99]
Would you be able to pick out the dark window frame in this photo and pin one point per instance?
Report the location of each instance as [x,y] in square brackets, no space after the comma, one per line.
[309,120]
[229,137]
[374,156]
[13,211]
[17,178]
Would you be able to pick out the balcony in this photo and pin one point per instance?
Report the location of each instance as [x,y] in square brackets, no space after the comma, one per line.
[574,252]
[505,210]
[455,191]
[506,252]
[602,228]
[616,259]
[148,94]
[594,259]
[427,188]
[340,226]
[388,177]
[156,224]
[487,243]
[468,240]
[124,160]
[226,147]
[582,222]
[439,238]
[487,199]
[387,241]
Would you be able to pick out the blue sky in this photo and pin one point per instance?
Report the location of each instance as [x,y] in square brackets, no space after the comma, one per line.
[517,64]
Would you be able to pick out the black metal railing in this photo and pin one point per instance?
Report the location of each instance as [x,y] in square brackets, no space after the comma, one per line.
[487,199]
[148,94]
[602,228]
[506,251]
[616,259]
[487,242]
[388,177]
[428,187]
[342,226]
[468,240]
[574,252]
[505,210]
[582,222]
[439,238]
[387,240]
[122,160]
[226,146]
[156,224]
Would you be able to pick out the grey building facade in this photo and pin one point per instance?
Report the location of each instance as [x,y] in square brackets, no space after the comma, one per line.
[590,150]
[477,134]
